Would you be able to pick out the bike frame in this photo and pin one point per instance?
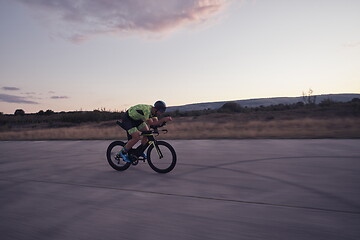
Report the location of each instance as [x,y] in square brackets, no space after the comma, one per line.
[113,156]
[150,135]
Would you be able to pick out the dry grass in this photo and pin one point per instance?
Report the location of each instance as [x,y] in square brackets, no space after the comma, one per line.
[304,128]
[85,132]
[190,128]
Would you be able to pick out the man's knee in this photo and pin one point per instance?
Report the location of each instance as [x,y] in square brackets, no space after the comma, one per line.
[136,135]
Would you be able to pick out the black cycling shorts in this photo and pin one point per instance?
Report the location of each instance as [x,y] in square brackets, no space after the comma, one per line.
[130,125]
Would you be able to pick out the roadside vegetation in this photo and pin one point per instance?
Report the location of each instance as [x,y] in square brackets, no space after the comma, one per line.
[328,119]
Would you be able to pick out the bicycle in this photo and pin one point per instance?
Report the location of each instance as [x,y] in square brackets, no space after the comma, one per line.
[160,155]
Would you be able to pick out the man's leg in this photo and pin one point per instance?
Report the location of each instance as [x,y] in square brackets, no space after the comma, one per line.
[135,137]
[141,148]
[144,139]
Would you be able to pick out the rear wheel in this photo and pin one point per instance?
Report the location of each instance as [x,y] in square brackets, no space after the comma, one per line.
[162,158]
[116,162]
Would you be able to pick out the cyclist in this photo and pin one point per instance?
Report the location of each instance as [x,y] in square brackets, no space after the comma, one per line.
[138,119]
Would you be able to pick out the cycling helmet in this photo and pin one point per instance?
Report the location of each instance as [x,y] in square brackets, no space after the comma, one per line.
[160,106]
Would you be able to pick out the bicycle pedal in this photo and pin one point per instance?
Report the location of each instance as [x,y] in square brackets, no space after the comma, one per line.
[135,162]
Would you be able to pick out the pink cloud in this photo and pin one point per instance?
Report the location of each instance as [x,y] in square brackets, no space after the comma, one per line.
[352,45]
[15,99]
[59,97]
[10,88]
[79,19]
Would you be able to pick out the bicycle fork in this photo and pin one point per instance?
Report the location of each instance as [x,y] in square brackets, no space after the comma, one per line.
[152,141]
[157,148]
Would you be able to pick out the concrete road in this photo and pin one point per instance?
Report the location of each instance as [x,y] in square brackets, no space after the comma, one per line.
[227,189]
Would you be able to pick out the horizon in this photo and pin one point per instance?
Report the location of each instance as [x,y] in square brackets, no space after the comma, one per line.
[87,56]
[188,104]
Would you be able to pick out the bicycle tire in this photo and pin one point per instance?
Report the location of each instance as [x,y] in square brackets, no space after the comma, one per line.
[155,162]
[111,151]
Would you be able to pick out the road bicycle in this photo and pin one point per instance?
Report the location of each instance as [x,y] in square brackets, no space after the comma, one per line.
[160,155]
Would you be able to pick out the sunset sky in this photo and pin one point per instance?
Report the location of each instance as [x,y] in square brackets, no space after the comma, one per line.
[68,55]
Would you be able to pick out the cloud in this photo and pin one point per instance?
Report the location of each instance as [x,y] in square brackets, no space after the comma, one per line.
[352,45]
[28,99]
[59,97]
[78,20]
[10,88]
[15,99]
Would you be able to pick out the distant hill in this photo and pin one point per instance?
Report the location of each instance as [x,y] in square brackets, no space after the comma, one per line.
[263,101]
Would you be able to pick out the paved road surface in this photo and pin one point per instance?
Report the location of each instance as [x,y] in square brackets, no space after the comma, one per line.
[228,189]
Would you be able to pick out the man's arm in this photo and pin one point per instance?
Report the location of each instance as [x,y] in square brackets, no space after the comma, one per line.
[156,122]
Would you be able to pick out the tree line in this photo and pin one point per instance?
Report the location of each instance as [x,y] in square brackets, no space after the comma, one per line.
[50,117]
[353,106]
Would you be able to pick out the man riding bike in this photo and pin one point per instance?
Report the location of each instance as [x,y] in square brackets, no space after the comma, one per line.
[138,119]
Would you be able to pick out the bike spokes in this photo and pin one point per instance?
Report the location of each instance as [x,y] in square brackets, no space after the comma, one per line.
[114,158]
[161,157]
[158,150]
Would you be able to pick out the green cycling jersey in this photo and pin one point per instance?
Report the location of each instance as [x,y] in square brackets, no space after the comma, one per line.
[140,112]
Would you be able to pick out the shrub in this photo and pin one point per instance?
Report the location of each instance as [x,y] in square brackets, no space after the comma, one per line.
[19,112]
[230,107]
[327,102]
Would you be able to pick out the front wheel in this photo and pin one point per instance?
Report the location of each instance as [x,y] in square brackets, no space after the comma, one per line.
[115,162]
[161,157]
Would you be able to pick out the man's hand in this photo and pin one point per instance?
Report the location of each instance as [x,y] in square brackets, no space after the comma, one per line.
[164,120]
[167,119]
[151,121]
